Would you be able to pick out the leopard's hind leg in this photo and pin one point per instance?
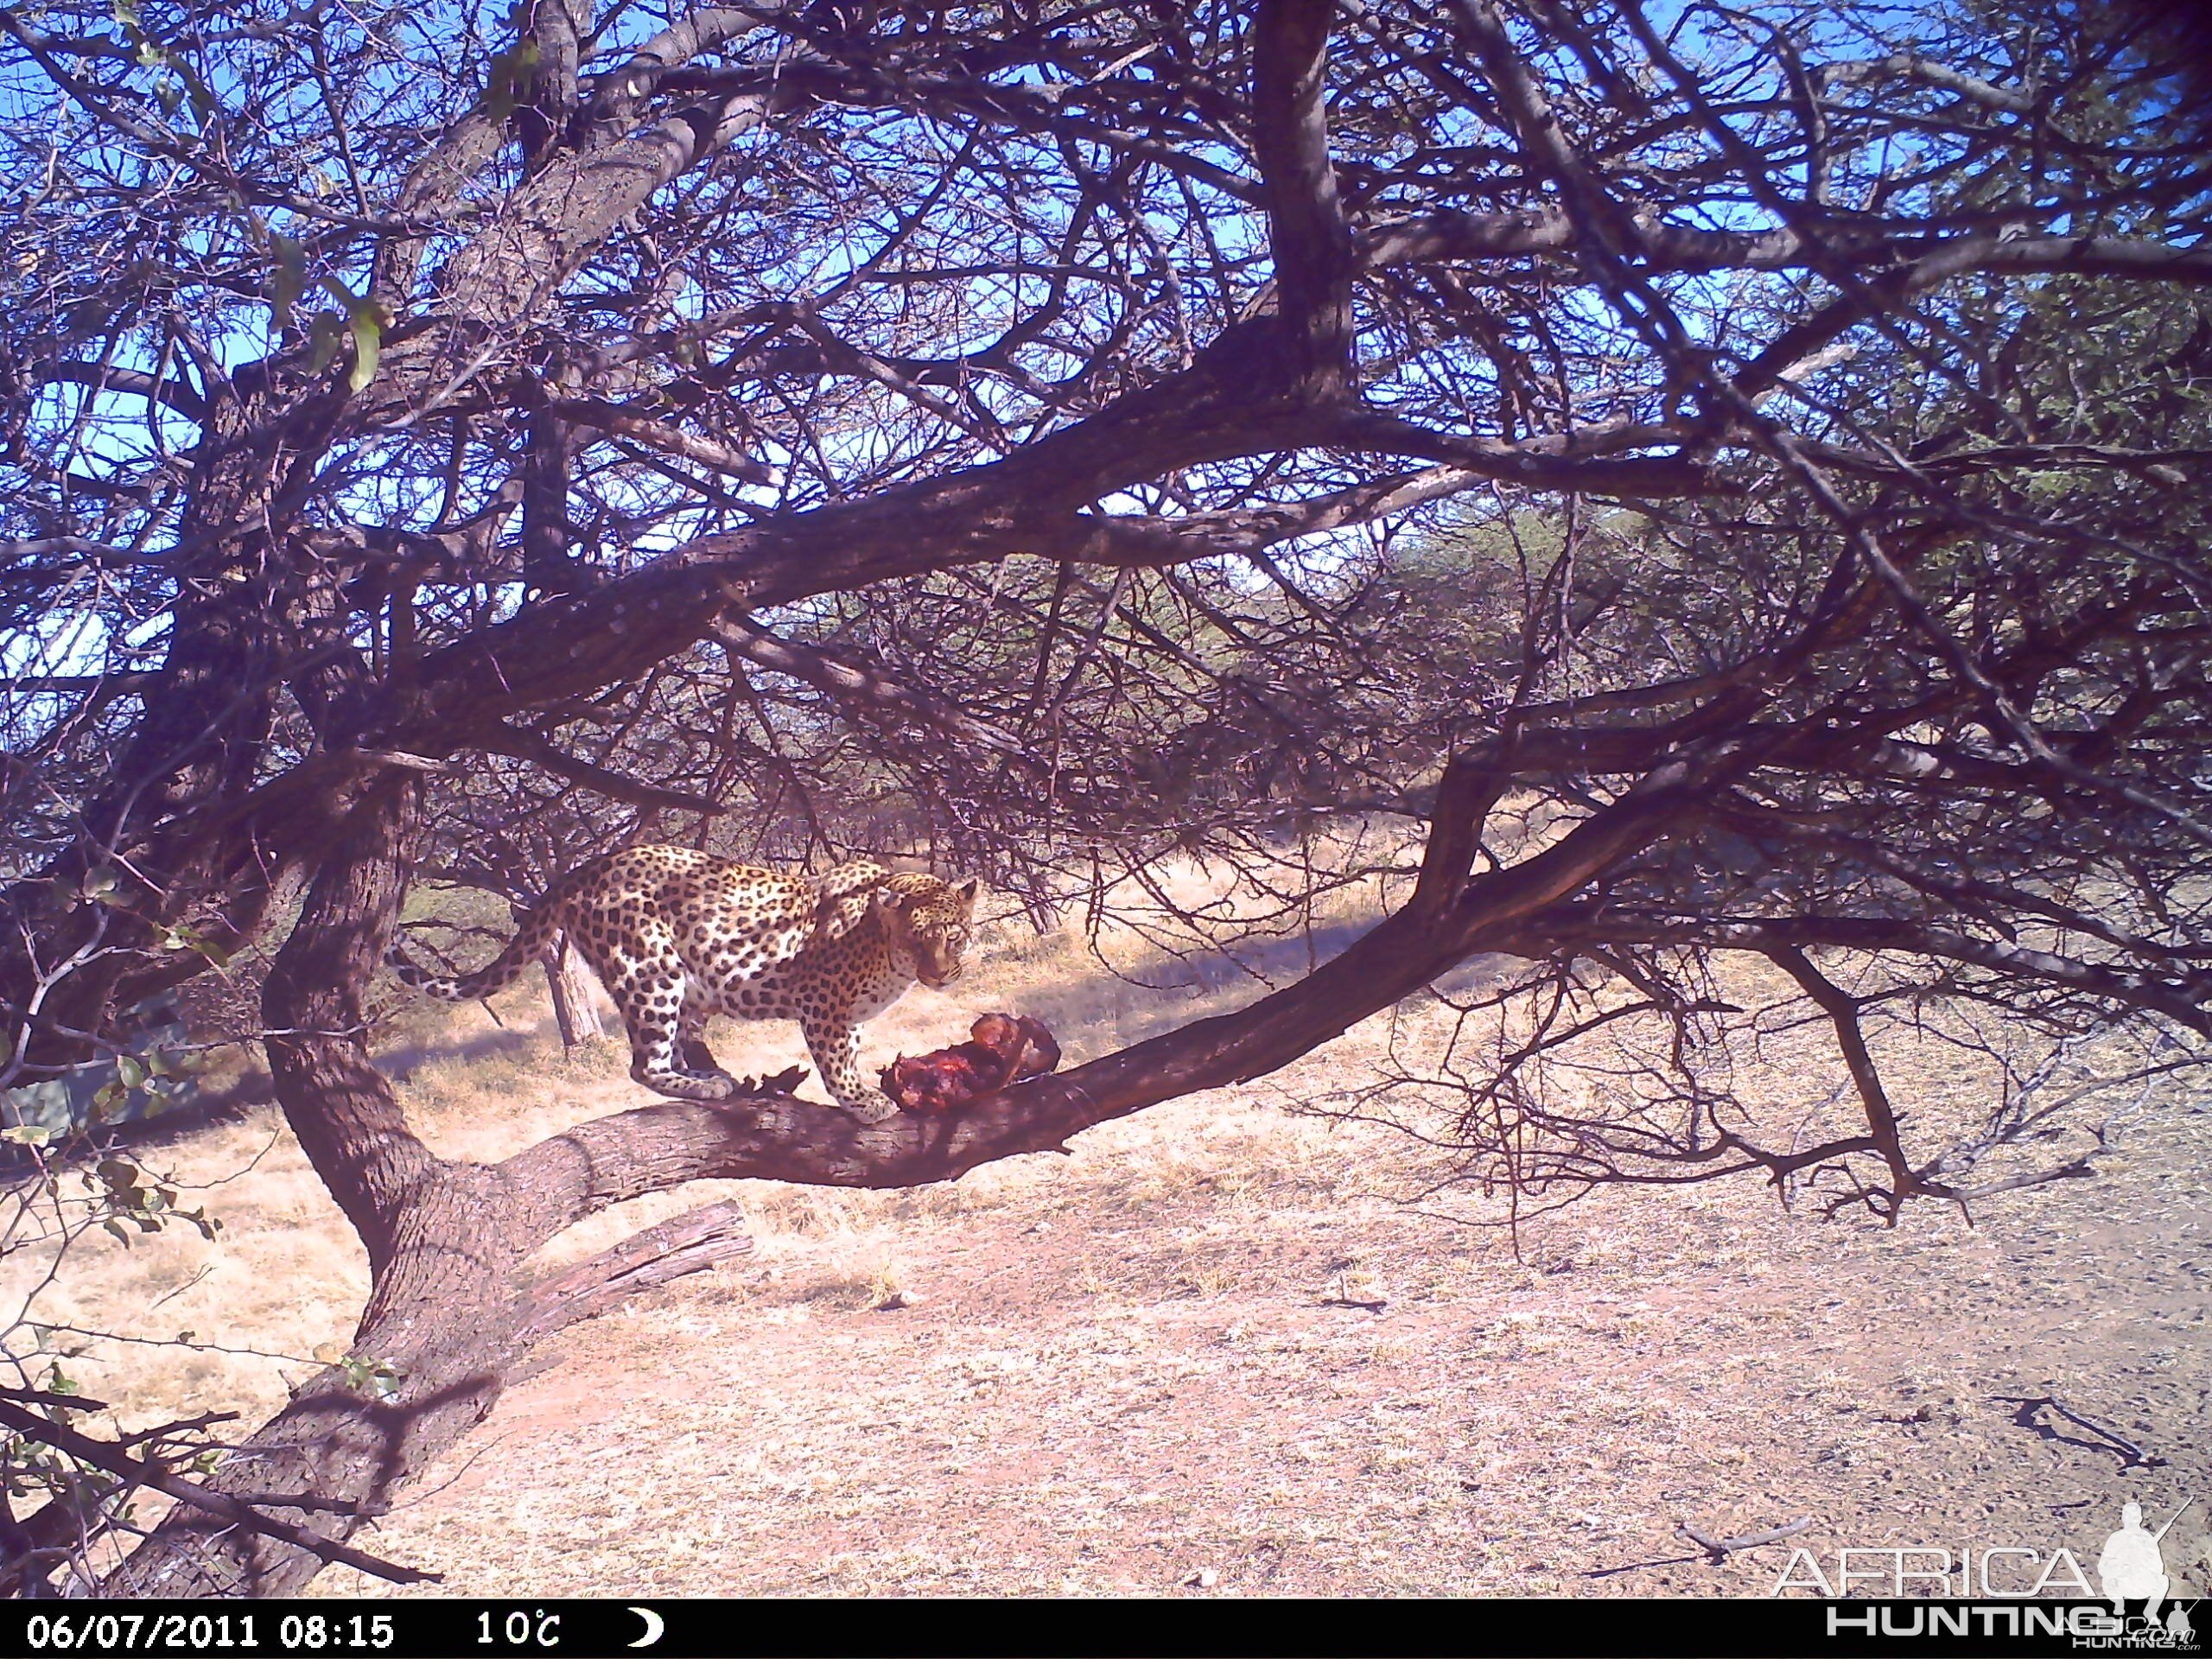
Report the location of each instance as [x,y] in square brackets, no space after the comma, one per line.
[652,994]
[691,1029]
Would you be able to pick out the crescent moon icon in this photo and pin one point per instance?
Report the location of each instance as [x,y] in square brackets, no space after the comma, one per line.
[655,1627]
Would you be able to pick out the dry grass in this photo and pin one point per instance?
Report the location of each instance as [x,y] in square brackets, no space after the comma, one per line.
[1146,1367]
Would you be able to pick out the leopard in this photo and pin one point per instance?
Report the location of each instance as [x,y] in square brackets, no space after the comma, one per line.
[676,935]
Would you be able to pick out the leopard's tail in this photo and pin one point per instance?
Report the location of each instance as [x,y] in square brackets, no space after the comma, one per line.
[529,943]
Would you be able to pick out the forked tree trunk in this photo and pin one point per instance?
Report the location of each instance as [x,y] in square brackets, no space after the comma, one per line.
[449,1311]
[433,1232]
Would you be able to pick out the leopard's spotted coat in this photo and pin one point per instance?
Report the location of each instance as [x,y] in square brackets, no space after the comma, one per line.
[676,935]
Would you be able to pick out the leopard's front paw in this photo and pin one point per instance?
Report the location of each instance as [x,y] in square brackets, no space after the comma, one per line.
[873,1107]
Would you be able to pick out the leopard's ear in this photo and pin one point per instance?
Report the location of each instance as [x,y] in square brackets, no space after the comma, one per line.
[891,899]
[967,891]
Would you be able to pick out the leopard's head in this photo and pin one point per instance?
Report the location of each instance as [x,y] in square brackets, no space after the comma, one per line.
[926,918]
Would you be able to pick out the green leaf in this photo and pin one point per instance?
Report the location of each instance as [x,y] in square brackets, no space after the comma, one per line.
[28,1134]
[368,337]
[512,72]
[323,335]
[378,1378]
[290,279]
[129,1071]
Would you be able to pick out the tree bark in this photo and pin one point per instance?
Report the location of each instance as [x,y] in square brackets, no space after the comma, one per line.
[569,982]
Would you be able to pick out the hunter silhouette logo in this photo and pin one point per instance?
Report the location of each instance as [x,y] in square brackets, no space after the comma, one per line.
[2131,1567]
[2009,1590]
[2012,1589]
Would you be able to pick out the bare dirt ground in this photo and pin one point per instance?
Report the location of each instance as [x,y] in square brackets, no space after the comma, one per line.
[1142,1369]
[1214,1351]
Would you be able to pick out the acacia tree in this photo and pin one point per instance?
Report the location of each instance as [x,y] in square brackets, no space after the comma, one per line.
[1013,417]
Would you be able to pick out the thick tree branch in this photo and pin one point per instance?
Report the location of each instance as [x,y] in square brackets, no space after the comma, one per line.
[1842,1011]
[2187,1000]
[1309,237]
[537,747]
[553,223]
[581,643]
[861,686]
[567,1177]
[692,1242]
[592,412]
[105,378]
[1457,235]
